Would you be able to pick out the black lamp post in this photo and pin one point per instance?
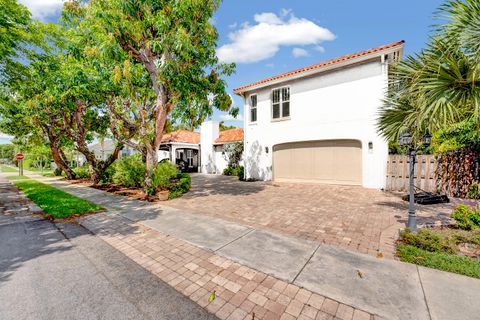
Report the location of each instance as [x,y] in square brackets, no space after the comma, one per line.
[406,140]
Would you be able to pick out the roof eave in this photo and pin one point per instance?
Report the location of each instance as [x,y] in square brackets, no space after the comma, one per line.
[307,73]
[223,142]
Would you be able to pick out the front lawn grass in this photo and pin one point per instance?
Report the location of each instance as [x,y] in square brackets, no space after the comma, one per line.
[448,249]
[439,260]
[54,202]
[5,168]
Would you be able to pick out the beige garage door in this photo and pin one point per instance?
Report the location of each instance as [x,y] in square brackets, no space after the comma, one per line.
[332,161]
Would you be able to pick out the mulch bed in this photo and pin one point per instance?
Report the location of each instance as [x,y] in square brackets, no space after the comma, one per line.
[130,192]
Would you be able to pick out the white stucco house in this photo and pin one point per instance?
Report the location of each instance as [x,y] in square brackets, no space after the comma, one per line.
[199,151]
[318,123]
[212,143]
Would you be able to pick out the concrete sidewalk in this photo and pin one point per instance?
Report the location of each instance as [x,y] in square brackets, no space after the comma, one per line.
[390,289]
[56,271]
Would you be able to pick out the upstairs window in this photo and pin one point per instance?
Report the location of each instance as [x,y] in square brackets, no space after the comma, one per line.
[253,108]
[281,103]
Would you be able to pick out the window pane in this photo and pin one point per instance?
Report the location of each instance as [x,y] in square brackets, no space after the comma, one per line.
[285,94]
[276,96]
[253,100]
[286,109]
[253,114]
[276,111]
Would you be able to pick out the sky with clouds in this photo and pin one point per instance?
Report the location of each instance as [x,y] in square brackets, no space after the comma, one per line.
[269,37]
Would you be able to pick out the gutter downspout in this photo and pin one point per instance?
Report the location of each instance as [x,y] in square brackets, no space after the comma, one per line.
[246,114]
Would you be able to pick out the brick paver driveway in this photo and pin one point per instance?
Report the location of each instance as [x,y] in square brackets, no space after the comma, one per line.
[352,217]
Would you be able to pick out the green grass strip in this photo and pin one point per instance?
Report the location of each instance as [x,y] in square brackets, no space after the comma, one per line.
[441,261]
[5,168]
[54,202]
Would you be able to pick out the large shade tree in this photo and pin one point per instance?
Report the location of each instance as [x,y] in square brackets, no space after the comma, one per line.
[15,34]
[174,42]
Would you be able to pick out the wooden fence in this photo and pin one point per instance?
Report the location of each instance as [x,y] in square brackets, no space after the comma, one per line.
[425,173]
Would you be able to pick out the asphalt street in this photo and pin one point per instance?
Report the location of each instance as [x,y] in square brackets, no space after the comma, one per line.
[61,271]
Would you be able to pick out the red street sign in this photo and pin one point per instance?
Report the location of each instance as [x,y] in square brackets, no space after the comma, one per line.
[19,156]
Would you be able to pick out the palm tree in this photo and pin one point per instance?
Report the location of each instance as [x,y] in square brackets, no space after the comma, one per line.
[441,85]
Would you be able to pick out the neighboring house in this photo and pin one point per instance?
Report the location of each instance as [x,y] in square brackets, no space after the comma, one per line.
[318,123]
[192,151]
[212,146]
[102,150]
[181,147]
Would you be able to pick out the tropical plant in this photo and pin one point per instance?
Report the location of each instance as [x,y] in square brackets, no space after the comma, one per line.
[459,135]
[233,152]
[440,86]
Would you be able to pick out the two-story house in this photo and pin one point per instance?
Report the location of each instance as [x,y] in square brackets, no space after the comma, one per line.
[318,123]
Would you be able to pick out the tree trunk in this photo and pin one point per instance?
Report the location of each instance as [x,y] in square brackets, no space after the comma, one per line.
[60,162]
[151,157]
[151,160]
[57,152]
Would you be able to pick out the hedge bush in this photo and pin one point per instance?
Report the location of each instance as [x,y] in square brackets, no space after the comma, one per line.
[428,240]
[181,186]
[163,175]
[130,171]
[82,172]
[237,171]
[466,218]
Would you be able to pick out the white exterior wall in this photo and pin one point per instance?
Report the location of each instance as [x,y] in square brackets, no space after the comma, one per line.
[209,132]
[220,162]
[338,104]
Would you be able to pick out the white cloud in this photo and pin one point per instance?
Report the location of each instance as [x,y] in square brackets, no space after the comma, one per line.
[42,9]
[320,49]
[253,43]
[267,17]
[299,52]
[229,117]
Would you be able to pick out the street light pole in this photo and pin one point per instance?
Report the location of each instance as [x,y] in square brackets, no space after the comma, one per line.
[406,140]
[412,215]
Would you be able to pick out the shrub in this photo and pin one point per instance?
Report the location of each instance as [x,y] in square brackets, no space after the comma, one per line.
[181,187]
[428,240]
[239,172]
[107,176]
[163,175]
[57,172]
[82,172]
[466,218]
[473,191]
[130,171]
[234,171]
[228,171]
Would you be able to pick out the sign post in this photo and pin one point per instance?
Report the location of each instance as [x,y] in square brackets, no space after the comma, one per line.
[19,157]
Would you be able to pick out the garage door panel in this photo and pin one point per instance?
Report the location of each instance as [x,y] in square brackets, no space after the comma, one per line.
[332,161]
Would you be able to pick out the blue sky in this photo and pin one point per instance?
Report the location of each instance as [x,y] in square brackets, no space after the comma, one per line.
[267,37]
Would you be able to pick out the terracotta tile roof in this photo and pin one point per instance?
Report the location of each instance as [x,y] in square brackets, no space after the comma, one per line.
[242,89]
[182,136]
[231,135]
